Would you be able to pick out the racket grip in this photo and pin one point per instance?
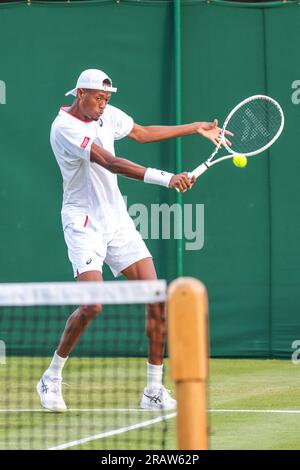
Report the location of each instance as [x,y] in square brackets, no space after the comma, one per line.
[199,170]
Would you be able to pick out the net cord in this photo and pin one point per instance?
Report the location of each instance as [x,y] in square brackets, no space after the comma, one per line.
[87,293]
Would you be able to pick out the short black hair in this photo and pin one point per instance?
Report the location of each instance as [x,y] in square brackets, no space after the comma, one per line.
[107,81]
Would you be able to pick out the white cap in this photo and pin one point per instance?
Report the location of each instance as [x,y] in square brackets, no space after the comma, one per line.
[92,79]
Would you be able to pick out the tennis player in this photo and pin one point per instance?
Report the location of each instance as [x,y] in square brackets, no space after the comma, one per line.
[97,227]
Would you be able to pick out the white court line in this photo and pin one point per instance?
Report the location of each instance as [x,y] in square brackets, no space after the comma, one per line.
[139,410]
[113,433]
[90,410]
[256,411]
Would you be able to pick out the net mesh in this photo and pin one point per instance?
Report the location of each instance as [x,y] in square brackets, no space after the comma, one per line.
[254,125]
[103,380]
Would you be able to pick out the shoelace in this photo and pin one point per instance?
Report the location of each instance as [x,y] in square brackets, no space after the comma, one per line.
[55,386]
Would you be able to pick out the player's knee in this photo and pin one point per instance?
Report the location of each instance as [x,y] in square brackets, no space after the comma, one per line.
[91,311]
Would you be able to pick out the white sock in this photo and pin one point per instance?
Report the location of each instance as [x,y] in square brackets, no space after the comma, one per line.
[56,366]
[154,376]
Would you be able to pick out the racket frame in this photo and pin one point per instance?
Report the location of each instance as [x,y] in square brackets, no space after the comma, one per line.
[222,142]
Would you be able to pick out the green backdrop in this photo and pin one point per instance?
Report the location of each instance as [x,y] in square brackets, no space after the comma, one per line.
[250,260]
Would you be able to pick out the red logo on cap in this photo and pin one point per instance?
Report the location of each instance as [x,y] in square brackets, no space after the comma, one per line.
[85,142]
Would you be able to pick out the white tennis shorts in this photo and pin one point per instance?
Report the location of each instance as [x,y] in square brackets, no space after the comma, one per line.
[89,248]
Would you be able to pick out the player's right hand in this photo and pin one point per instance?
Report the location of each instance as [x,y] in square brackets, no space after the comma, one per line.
[181,182]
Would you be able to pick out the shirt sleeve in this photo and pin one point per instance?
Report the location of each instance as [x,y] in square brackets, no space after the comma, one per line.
[74,143]
[123,124]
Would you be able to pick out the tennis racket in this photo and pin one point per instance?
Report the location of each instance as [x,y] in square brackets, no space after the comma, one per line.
[256,123]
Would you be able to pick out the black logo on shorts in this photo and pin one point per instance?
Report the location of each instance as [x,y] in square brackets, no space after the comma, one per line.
[89,261]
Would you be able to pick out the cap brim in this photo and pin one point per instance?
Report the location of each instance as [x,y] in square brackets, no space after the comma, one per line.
[72,92]
[103,88]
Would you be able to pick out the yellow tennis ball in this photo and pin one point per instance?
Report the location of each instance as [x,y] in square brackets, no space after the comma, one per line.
[240,161]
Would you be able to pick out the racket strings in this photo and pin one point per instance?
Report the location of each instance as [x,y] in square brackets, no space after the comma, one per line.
[254,125]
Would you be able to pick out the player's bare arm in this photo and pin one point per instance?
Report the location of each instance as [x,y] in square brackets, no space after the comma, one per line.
[119,166]
[124,167]
[146,134]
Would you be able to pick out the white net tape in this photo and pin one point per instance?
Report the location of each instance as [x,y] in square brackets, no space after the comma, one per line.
[82,293]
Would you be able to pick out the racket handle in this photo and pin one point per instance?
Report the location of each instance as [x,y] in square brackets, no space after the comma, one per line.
[199,170]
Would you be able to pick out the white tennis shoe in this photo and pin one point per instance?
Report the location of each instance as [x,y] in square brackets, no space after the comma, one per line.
[157,399]
[49,390]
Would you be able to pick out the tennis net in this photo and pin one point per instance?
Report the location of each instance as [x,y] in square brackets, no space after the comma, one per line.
[103,380]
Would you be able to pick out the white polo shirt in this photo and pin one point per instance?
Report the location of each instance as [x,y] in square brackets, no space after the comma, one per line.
[89,189]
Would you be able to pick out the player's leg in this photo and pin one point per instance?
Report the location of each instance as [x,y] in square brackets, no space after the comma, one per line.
[144,270]
[80,319]
[49,386]
[155,395]
[128,254]
[87,260]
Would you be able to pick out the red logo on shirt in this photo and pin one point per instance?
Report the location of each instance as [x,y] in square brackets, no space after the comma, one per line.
[85,142]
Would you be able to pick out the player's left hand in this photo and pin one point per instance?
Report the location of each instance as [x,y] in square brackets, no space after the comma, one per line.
[211,131]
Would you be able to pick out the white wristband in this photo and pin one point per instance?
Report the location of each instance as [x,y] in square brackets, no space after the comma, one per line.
[154,176]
